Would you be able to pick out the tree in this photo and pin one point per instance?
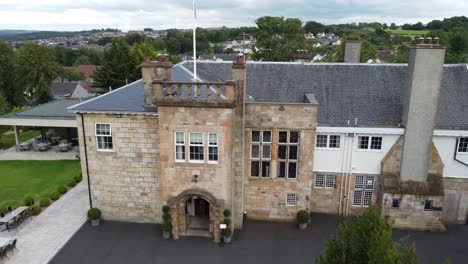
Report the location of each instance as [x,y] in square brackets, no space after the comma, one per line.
[366,239]
[393,26]
[117,68]
[385,26]
[278,39]
[70,75]
[8,90]
[314,27]
[82,60]
[137,54]
[36,69]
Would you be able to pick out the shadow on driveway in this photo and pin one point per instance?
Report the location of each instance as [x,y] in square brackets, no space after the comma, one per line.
[258,242]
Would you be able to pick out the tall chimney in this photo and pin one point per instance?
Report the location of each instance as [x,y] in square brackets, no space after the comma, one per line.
[152,70]
[352,52]
[420,108]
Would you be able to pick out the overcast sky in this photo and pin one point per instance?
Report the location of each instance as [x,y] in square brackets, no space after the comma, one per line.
[163,14]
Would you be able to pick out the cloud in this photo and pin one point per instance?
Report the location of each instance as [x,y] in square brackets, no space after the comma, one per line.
[162,14]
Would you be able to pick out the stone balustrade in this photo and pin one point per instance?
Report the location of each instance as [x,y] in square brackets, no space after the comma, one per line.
[201,94]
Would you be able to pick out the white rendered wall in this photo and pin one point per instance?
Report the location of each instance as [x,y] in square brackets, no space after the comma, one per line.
[350,159]
[446,147]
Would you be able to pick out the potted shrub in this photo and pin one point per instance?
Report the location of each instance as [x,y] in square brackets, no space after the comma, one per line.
[94,215]
[166,225]
[303,218]
[227,232]
[227,235]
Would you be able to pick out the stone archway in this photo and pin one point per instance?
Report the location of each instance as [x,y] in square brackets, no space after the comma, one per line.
[178,212]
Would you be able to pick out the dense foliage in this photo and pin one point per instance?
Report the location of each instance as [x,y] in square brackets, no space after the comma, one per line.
[367,239]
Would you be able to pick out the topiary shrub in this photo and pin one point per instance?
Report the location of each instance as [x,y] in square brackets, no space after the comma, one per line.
[36,209]
[71,183]
[166,217]
[227,232]
[94,214]
[166,226]
[227,222]
[54,196]
[44,202]
[62,189]
[78,178]
[28,200]
[303,216]
[227,213]
[165,209]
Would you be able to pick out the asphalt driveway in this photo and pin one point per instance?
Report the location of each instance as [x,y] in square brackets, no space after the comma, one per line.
[258,242]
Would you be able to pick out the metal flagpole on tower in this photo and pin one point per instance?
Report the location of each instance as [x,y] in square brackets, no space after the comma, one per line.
[194,41]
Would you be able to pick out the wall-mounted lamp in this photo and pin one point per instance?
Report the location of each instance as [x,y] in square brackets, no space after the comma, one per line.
[195,178]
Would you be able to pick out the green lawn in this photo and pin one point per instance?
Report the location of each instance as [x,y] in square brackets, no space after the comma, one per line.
[35,177]
[8,140]
[406,32]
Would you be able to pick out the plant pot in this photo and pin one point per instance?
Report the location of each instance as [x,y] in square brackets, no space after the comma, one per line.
[226,239]
[166,234]
[95,222]
[302,226]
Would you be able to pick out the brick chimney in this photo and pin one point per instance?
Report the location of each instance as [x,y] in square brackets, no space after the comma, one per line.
[352,52]
[420,108]
[160,69]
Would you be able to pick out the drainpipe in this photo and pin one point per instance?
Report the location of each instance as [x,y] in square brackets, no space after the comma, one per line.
[343,156]
[350,168]
[86,160]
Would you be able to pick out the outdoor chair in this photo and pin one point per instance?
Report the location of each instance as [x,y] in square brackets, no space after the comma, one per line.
[3,253]
[2,227]
[12,246]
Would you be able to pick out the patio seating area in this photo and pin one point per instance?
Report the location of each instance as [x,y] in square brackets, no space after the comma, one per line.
[14,218]
[51,153]
[7,245]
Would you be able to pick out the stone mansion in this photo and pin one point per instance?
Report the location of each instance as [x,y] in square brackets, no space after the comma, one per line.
[267,139]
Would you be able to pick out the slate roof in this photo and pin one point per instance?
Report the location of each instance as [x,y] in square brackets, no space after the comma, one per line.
[61,89]
[128,98]
[372,93]
[52,110]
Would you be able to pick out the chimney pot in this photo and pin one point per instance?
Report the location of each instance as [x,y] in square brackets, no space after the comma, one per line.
[429,40]
[420,40]
[167,58]
[160,58]
[240,58]
[147,59]
[436,41]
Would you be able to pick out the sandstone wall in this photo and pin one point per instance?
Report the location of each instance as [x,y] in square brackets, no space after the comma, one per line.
[458,187]
[265,198]
[178,176]
[125,183]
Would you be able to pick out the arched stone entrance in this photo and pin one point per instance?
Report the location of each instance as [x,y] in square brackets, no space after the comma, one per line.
[180,218]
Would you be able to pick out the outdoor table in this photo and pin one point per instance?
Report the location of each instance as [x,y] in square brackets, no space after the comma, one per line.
[12,216]
[4,241]
[64,147]
[42,146]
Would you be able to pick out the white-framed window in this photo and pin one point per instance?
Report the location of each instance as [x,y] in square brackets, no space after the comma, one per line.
[319,181]
[196,145]
[179,141]
[288,147]
[462,145]
[104,137]
[363,190]
[328,141]
[291,199]
[370,142]
[260,154]
[325,181]
[212,147]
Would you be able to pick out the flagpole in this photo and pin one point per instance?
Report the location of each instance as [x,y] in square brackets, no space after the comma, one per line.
[194,41]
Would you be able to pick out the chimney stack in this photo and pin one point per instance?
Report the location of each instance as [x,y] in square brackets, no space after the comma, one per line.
[420,108]
[352,52]
[152,70]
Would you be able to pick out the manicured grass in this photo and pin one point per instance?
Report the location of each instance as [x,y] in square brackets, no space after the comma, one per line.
[8,140]
[35,177]
[406,32]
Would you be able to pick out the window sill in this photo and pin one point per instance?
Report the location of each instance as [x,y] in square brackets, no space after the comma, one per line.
[369,150]
[331,149]
[106,151]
